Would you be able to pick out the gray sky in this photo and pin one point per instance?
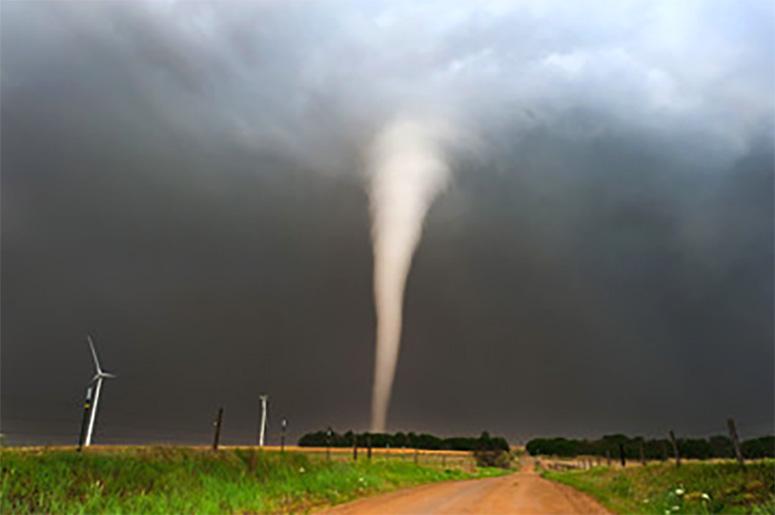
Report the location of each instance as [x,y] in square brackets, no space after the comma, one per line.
[186,182]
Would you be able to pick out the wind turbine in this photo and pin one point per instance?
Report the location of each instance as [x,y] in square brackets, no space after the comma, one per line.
[262,426]
[97,381]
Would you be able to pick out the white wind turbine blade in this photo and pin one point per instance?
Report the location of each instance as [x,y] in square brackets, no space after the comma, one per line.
[108,375]
[94,355]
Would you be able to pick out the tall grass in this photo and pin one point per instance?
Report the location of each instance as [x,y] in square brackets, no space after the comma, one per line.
[178,480]
[692,488]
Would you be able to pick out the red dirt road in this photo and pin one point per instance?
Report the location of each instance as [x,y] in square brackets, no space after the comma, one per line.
[522,492]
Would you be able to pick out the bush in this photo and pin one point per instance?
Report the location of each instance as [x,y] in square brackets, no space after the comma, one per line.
[492,458]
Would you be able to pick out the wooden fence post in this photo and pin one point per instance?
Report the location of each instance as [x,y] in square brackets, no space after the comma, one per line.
[368,447]
[676,452]
[622,460]
[735,441]
[608,457]
[355,447]
[217,424]
[642,453]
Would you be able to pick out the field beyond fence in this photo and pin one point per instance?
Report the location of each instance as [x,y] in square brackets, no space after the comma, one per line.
[106,479]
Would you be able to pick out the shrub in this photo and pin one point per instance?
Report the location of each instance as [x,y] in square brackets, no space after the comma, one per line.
[492,458]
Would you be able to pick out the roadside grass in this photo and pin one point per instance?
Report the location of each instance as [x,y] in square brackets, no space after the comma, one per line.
[181,480]
[692,488]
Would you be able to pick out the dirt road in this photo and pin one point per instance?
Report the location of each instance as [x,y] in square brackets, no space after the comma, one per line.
[522,492]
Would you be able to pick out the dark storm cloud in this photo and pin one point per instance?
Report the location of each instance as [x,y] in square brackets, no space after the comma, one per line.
[184,180]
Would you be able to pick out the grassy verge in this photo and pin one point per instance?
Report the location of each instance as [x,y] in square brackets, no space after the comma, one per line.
[176,480]
[692,488]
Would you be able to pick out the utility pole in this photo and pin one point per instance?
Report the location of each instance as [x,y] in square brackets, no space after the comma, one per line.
[217,424]
[676,452]
[85,419]
[329,433]
[735,441]
[262,424]
[283,426]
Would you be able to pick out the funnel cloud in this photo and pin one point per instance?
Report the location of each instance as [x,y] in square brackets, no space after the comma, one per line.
[408,170]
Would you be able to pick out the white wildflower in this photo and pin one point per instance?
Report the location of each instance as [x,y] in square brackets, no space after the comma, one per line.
[675,508]
[301,469]
[679,491]
[706,497]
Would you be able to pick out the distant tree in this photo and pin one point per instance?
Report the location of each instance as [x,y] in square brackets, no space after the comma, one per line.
[695,448]
[426,441]
[763,447]
[317,439]
[398,440]
[501,443]
[721,447]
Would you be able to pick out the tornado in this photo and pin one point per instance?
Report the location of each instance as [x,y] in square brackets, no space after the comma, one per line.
[407,171]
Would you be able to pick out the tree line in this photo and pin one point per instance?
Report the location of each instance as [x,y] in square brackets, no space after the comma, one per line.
[697,448]
[331,438]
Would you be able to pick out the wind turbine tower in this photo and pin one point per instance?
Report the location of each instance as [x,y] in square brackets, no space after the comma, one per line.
[262,429]
[97,381]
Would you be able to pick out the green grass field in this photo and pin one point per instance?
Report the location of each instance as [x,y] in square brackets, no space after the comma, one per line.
[179,480]
[692,488]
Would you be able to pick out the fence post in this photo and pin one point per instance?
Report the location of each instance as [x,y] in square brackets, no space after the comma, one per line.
[355,447]
[735,441]
[416,455]
[676,452]
[368,446]
[642,453]
[621,455]
[608,457]
[217,424]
